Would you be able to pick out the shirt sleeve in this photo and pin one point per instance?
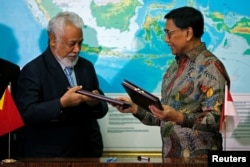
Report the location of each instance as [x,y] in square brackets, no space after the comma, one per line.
[147,117]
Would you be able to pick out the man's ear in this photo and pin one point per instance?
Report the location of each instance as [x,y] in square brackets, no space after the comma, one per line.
[189,33]
[52,38]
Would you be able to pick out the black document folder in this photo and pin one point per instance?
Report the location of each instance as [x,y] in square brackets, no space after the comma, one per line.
[140,96]
[104,98]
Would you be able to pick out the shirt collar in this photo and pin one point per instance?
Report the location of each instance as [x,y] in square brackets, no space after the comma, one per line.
[192,54]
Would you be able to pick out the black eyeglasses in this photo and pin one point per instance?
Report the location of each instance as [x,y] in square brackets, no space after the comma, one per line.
[169,32]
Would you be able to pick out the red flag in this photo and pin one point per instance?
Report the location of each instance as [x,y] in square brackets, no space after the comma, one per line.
[10,118]
[229,117]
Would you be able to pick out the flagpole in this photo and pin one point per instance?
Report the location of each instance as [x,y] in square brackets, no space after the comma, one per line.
[225,119]
[9,160]
[225,136]
[9,146]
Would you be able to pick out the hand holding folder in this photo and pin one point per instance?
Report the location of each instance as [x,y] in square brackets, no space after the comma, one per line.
[104,98]
[141,97]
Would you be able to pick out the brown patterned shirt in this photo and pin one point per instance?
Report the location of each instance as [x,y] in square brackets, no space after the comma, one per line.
[193,85]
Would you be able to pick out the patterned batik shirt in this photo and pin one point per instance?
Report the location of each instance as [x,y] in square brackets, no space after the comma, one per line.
[194,86]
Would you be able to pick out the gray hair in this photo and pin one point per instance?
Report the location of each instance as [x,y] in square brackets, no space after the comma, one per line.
[58,23]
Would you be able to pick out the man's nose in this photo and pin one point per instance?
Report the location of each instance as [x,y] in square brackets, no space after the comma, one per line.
[166,38]
[77,47]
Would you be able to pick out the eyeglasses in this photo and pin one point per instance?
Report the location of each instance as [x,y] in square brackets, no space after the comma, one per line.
[169,32]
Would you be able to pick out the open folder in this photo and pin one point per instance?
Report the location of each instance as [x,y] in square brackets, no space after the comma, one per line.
[141,97]
[104,98]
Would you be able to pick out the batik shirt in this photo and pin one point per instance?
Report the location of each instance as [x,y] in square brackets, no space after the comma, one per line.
[194,86]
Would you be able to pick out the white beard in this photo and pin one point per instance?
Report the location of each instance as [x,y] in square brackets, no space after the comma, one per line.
[67,62]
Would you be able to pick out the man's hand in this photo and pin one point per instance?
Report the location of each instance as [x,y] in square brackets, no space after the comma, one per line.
[91,101]
[132,109]
[71,98]
[168,114]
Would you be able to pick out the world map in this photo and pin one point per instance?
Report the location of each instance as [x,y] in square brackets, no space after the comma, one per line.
[124,39]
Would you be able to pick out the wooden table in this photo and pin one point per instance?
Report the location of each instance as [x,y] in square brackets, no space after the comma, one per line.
[101,162]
